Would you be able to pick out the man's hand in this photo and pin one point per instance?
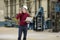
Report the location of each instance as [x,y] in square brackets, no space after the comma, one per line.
[27,21]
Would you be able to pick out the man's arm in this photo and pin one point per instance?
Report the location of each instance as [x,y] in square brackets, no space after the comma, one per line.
[18,16]
[29,18]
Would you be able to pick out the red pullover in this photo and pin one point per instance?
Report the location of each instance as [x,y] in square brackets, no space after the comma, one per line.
[22,17]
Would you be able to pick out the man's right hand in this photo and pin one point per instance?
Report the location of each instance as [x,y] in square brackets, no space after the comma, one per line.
[27,21]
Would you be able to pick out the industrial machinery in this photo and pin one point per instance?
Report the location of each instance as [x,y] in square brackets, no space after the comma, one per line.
[39,20]
[55,16]
[9,22]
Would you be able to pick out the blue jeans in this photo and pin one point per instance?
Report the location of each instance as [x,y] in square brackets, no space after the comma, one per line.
[24,30]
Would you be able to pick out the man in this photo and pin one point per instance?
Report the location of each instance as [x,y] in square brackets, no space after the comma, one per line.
[22,23]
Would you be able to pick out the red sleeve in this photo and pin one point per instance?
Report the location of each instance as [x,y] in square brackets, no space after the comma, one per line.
[18,16]
[28,15]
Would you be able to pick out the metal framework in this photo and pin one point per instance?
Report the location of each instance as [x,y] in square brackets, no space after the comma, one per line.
[54,16]
[12,6]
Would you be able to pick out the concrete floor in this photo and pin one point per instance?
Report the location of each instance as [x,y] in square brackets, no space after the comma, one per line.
[12,34]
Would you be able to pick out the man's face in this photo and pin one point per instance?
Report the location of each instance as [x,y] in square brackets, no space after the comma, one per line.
[24,10]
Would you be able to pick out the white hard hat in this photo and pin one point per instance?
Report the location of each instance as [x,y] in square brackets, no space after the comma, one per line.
[25,7]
